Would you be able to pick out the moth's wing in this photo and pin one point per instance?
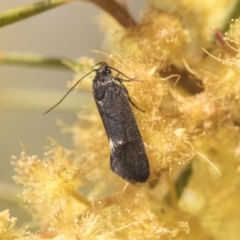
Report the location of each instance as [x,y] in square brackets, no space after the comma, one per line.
[130,162]
[127,154]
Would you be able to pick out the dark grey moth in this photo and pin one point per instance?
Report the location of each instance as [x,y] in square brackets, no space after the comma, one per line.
[128,158]
[127,154]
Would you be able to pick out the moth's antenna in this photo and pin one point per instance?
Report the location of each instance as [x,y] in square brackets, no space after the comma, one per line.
[68,92]
[122,73]
[105,64]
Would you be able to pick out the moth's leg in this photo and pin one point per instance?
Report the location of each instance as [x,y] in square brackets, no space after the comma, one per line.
[127,94]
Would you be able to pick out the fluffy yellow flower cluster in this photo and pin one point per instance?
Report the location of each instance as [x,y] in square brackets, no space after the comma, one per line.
[191,114]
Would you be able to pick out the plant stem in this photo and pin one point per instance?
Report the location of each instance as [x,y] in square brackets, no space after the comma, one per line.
[35,60]
[116,10]
[179,186]
[23,12]
[234,14]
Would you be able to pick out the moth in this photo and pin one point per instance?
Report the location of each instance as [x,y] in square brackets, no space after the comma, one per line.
[128,158]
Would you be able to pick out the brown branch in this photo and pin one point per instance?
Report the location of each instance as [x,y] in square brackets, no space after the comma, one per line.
[189,82]
[116,10]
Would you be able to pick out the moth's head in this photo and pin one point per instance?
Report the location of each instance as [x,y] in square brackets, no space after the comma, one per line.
[103,70]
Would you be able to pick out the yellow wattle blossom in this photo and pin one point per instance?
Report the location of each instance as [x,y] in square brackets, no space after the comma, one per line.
[51,182]
[8,230]
[74,195]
